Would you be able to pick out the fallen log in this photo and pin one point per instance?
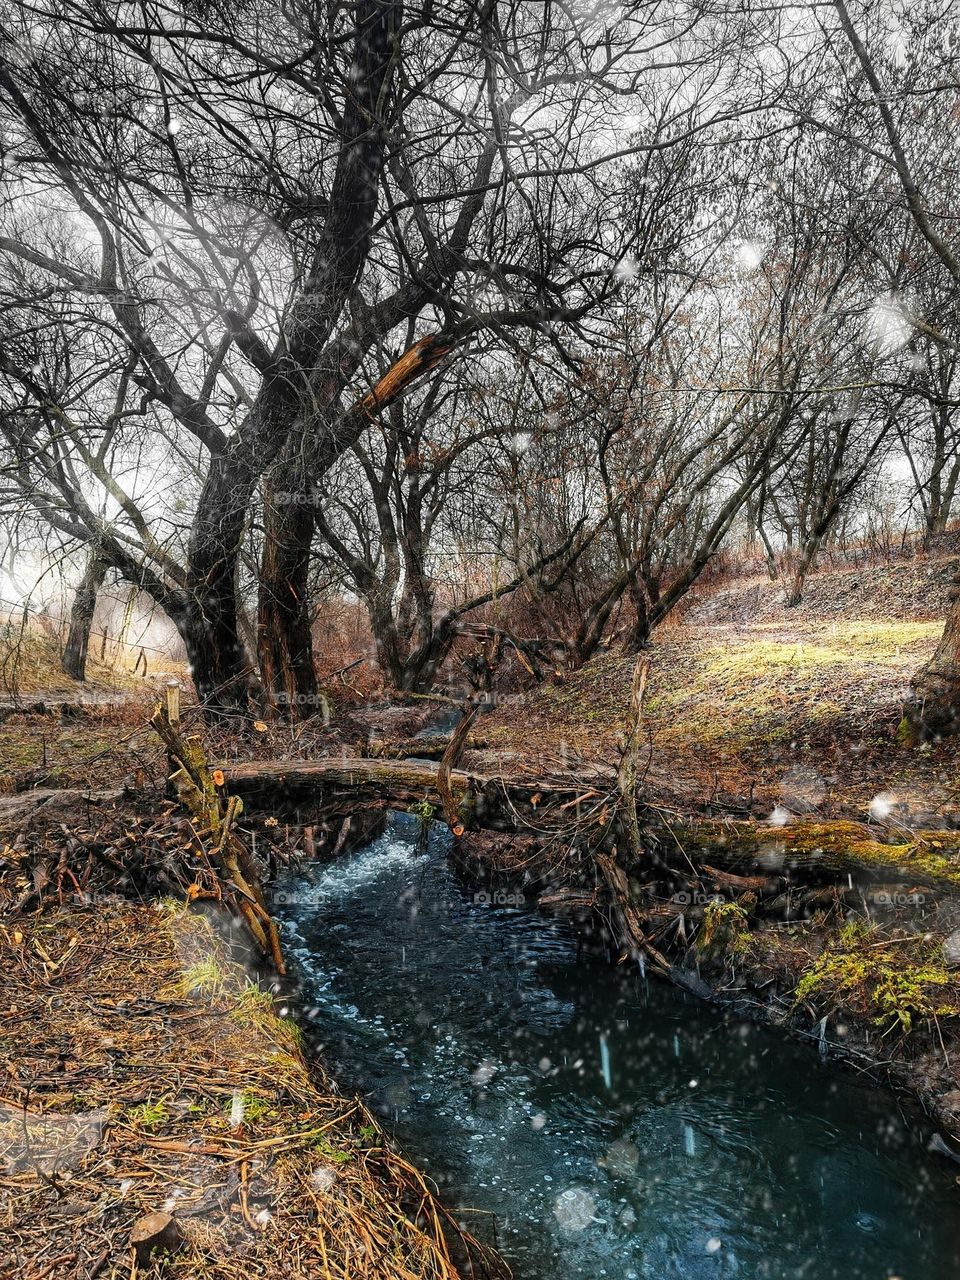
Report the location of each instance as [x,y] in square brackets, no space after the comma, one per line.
[298,790]
[818,850]
[293,782]
[21,808]
[752,855]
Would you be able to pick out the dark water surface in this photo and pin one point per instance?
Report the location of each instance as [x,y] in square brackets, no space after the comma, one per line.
[596,1127]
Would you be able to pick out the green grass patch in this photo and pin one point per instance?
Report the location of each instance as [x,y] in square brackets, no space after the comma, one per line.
[149,1115]
[205,978]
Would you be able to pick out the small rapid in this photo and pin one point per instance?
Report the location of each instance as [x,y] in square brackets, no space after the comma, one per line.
[589,1124]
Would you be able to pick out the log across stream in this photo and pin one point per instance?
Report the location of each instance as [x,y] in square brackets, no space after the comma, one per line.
[590,1123]
[581,810]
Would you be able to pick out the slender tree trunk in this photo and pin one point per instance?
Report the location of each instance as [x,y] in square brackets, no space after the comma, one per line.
[769,554]
[640,632]
[808,555]
[74,661]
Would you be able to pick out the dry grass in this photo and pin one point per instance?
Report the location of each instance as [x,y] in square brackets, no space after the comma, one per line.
[144,1073]
[30,663]
[94,747]
[730,710]
[57,732]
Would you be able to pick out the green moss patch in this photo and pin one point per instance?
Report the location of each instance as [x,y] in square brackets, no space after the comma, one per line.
[893,981]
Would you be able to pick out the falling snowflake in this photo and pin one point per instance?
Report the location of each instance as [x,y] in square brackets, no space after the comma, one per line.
[485,1072]
[628,268]
[574,1209]
[748,255]
[881,806]
[324,1178]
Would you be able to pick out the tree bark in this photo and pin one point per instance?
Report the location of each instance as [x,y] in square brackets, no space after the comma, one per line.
[74,660]
[284,631]
[798,579]
[933,709]
[210,623]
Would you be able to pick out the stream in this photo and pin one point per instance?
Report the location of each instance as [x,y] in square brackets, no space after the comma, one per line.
[587,1122]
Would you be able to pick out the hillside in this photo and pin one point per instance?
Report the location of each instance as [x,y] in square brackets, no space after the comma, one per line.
[751,706]
[913,589]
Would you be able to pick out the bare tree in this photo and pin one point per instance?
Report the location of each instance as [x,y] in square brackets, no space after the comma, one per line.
[910,97]
[254,204]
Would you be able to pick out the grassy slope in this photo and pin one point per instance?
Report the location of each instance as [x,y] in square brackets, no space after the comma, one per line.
[753,712]
[30,663]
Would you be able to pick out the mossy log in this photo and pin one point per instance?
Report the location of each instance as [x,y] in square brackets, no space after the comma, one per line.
[820,850]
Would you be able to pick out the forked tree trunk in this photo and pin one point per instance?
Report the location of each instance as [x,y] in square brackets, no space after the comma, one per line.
[74,660]
[933,709]
[285,645]
[218,657]
[798,579]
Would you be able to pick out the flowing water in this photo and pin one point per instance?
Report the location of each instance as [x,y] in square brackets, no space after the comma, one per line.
[589,1124]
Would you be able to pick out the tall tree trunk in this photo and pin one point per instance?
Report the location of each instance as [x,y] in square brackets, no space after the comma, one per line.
[74,660]
[219,663]
[284,630]
[933,709]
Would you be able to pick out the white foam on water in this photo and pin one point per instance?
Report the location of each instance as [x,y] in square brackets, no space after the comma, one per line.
[345,878]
